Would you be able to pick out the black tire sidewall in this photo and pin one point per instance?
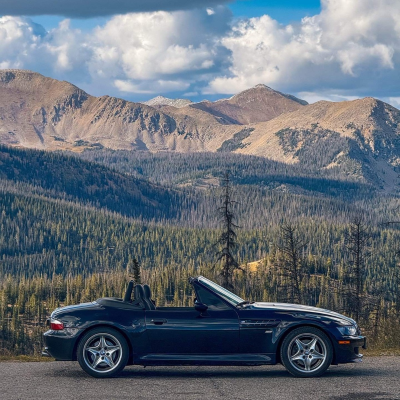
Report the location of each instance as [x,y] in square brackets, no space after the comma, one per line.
[315,331]
[124,349]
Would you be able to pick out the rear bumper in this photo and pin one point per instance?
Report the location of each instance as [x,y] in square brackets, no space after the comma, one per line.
[348,349]
[60,345]
[45,352]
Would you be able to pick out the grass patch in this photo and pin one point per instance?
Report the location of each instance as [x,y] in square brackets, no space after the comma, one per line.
[381,352]
[25,358]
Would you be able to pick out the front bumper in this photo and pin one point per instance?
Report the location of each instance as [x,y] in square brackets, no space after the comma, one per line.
[61,345]
[348,349]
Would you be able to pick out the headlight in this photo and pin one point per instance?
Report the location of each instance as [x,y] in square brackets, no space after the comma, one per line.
[348,330]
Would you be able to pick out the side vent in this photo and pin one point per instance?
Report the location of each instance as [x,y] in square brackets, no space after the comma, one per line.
[259,323]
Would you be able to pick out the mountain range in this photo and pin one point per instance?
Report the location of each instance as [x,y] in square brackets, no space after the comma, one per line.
[361,137]
[99,202]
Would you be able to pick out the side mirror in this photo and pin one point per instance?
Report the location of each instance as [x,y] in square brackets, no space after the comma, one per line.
[200,307]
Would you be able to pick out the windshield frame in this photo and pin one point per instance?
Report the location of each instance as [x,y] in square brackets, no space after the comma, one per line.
[225,294]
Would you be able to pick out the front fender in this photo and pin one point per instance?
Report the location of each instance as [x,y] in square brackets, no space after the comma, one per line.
[285,327]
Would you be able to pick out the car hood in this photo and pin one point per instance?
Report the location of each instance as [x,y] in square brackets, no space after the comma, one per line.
[76,307]
[299,309]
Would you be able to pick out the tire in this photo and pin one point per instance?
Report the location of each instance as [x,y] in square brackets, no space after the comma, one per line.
[306,352]
[103,352]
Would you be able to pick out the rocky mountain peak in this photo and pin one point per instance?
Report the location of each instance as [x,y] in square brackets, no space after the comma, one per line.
[257,104]
[261,85]
[165,101]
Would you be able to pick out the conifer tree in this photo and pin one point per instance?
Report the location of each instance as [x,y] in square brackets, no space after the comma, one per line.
[136,271]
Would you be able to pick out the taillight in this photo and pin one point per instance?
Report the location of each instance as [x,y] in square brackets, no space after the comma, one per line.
[56,325]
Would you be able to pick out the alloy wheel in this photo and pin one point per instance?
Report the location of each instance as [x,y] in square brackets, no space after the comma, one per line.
[306,352]
[102,352]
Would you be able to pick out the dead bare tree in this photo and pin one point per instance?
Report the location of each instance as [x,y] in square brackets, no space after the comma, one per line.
[290,263]
[397,291]
[227,239]
[396,273]
[396,283]
[375,303]
[357,241]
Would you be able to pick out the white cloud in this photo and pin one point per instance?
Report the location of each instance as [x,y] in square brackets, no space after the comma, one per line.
[312,97]
[190,94]
[395,101]
[19,41]
[350,46]
[158,86]
[148,46]
[26,45]
[66,47]
[135,53]
[350,49]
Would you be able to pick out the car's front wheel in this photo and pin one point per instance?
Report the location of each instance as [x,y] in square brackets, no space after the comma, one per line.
[103,352]
[306,352]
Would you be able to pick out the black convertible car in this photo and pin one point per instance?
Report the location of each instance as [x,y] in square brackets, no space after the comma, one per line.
[220,329]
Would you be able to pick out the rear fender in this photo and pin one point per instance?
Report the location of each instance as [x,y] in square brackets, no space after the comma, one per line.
[134,335]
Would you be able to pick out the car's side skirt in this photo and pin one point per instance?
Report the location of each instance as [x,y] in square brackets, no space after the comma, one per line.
[206,359]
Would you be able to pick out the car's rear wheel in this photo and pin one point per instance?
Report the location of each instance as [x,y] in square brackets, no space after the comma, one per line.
[103,352]
[306,352]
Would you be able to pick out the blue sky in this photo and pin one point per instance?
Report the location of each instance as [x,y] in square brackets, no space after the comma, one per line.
[284,11]
[137,49]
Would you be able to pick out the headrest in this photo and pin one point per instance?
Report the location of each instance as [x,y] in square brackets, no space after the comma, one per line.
[139,292]
[128,293]
[147,291]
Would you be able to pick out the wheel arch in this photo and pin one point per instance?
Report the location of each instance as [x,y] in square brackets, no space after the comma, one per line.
[121,331]
[301,325]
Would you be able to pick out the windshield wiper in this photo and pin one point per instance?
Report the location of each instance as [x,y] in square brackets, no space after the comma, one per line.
[242,303]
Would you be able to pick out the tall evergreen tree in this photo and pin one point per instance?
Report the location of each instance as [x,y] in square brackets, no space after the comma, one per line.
[136,271]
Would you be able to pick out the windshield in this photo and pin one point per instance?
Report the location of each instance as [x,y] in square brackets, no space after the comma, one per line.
[225,294]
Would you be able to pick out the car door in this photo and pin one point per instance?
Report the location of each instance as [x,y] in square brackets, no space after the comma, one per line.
[257,329]
[183,330]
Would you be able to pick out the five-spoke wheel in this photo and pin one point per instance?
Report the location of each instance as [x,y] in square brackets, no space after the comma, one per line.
[103,352]
[306,352]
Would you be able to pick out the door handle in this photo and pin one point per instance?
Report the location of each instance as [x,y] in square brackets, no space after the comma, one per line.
[159,321]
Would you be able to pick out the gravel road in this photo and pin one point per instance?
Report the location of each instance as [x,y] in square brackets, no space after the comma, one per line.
[376,378]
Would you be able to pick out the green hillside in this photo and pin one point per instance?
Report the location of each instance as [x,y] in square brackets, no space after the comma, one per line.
[63,177]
